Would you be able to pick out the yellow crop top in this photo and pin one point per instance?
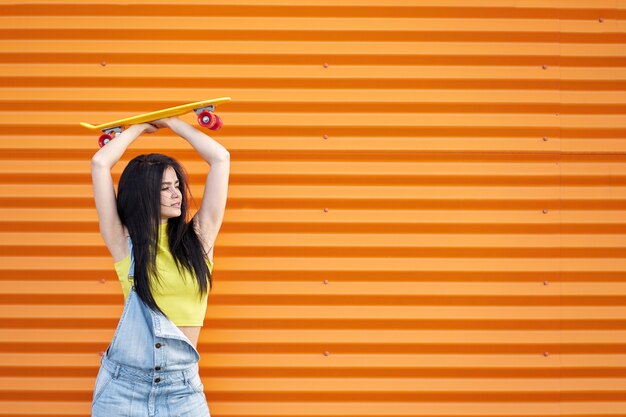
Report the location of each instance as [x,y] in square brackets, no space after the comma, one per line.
[176,295]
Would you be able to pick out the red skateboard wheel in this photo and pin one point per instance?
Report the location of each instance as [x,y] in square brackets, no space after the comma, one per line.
[218,122]
[206,119]
[104,139]
[210,120]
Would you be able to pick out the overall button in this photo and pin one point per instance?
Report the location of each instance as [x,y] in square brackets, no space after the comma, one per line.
[157,380]
[158,345]
[158,368]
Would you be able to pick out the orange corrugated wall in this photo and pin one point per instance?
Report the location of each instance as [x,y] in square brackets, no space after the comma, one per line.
[425,214]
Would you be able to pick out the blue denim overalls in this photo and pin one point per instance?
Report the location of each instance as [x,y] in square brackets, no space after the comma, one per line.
[150,368]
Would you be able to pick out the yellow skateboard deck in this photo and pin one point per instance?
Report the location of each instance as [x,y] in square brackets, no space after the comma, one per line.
[204,110]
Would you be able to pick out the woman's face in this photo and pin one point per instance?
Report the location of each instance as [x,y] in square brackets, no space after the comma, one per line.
[171,197]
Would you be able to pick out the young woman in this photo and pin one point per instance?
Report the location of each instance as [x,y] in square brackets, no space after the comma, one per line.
[165,264]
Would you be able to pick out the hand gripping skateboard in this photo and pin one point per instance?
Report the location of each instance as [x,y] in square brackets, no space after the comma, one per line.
[204,110]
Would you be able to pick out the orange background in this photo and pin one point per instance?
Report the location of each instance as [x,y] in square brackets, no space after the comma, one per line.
[425,214]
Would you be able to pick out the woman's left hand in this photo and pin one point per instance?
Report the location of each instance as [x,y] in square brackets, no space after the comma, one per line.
[164,122]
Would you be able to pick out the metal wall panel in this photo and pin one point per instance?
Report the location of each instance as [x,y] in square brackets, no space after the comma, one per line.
[425,214]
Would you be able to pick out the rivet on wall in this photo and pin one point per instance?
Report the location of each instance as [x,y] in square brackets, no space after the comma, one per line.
[545,139]
[325,65]
[544,67]
[103,63]
[103,280]
[326,353]
[325,209]
[545,211]
[325,136]
[546,354]
[326,281]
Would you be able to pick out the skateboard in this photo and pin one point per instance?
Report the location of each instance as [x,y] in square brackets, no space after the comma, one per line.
[204,110]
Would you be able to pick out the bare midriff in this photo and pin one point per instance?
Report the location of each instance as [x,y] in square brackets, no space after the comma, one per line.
[192,333]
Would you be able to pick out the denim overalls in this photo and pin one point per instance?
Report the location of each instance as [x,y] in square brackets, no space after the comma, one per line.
[150,368]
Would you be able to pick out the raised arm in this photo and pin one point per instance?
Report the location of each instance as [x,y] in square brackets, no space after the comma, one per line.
[110,224]
[208,219]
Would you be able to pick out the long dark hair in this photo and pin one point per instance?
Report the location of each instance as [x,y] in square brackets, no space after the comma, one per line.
[139,209]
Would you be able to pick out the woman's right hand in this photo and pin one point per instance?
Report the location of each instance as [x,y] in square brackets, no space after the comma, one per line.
[148,127]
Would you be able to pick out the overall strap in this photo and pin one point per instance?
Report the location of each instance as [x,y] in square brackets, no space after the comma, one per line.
[131,270]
